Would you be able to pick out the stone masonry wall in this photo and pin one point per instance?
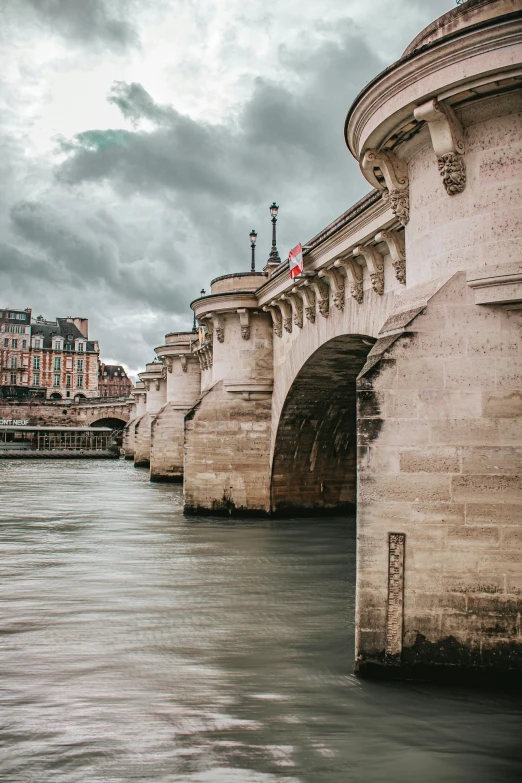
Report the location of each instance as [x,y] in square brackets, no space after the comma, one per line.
[440,460]
[142,440]
[167,443]
[227,449]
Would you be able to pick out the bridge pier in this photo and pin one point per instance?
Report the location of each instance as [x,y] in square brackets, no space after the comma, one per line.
[155,384]
[227,434]
[183,387]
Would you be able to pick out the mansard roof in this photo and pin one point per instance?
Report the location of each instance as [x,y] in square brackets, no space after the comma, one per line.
[59,328]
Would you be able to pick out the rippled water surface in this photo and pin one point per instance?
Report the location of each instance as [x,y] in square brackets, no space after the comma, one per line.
[137,645]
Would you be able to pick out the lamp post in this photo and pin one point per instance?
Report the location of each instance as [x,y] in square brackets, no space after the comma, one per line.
[274,255]
[253,237]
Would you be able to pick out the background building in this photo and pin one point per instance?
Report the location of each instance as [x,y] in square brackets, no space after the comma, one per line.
[113,381]
[52,359]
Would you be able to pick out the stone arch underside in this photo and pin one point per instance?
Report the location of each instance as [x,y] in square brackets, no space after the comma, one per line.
[109,421]
[315,453]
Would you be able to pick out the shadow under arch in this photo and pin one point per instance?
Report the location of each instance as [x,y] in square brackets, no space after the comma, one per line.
[111,421]
[314,467]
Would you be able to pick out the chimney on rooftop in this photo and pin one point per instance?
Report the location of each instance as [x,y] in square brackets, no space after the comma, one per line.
[81,323]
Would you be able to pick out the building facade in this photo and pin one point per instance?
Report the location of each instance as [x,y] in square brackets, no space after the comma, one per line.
[46,359]
[113,381]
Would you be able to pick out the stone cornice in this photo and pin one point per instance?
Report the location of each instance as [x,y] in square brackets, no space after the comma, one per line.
[500,284]
[224,303]
[354,227]
[391,97]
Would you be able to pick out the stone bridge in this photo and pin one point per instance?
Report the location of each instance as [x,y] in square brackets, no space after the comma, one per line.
[387,377]
[113,412]
[104,412]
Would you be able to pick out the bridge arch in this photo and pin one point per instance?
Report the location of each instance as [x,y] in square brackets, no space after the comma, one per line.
[315,449]
[109,421]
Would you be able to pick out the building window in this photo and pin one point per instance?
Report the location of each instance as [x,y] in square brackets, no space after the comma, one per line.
[13,379]
[14,343]
[36,362]
[36,378]
[79,381]
[80,365]
[37,344]
[57,346]
[13,362]
[68,381]
[57,363]
[80,348]
[6,343]
[68,347]
[56,380]
[24,343]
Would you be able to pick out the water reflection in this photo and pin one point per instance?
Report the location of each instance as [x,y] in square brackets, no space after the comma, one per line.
[138,645]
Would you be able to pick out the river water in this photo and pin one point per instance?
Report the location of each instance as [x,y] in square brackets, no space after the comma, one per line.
[137,645]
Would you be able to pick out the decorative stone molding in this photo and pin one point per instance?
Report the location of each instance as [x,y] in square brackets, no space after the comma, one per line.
[286,312]
[157,382]
[277,320]
[244,320]
[337,286]
[375,264]
[323,296]
[395,242]
[297,306]
[498,285]
[219,326]
[309,299]
[250,389]
[354,275]
[447,138]
[168,362]
[395,188]
[205,356]
[183,361]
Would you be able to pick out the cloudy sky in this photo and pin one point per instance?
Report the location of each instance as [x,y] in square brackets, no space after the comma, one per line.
[143,139]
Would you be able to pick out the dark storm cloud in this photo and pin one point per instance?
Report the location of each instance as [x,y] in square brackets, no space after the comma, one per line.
[90,249]
[89,21]
[279,139]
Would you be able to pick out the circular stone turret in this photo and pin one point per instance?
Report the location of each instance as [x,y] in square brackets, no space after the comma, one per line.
[439,134]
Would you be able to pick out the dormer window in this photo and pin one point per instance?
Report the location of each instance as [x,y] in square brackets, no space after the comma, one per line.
[81,347]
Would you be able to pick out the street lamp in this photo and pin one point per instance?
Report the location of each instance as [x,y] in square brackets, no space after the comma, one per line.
[253,237]
[274,255]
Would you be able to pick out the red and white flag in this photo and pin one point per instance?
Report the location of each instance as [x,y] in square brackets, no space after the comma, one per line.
[295,257]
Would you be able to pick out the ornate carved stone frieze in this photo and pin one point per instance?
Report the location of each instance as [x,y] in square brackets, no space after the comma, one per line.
[375,264]
[354,275]
[277,320]
[244,321]
[395,187]
[447,138]
[337,286]
[323,296]
[308,294]
[395,242]
[297,306]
